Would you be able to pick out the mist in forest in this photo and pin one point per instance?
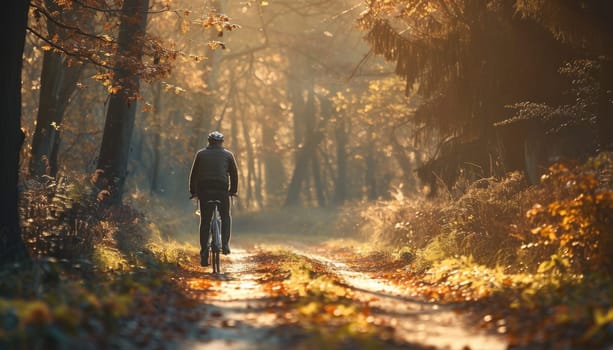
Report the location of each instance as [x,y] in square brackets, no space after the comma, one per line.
[291,90]
[325,103]
[411,174]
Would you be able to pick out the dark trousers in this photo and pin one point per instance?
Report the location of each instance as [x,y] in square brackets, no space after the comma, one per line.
[206,216]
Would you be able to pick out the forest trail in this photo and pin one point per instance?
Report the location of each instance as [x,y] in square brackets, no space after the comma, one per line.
[252,306]
[240,313]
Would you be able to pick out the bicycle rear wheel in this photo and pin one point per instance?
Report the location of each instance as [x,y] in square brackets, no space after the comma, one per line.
[216,242]
[216,267]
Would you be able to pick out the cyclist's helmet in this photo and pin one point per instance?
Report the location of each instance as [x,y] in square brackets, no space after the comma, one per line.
[215,136]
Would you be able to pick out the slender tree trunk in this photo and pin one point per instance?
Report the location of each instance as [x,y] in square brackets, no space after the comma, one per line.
[405,163]
[58,83]
[307,154]
[236,149]
[119,124]
[13,22]
[250,158]
[340,133]
[371,173]
[304,150]
[326,114]
[259,196]
[317,182]
[155,166]
[273,165]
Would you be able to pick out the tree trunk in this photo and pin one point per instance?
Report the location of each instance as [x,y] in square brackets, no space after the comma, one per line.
[251,180]
[58,83]
[340,133]
[303,119]
[236,149]
[273,164]
[317,182]
[371,171]
[119,122]
[157,138]
[404,162]
[13,20]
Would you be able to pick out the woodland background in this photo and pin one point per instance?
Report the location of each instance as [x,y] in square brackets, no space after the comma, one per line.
[462,133]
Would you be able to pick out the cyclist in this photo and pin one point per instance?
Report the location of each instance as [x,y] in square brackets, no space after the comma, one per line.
[214,176]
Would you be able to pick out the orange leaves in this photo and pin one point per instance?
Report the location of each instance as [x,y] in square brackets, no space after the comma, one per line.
[534,211]
[198,284]
[219,22]
[574,220]
[214,44]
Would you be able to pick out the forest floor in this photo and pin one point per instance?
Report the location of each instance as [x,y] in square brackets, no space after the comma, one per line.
[294,294]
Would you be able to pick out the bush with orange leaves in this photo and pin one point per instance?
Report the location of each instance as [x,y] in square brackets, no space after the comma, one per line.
[576,221]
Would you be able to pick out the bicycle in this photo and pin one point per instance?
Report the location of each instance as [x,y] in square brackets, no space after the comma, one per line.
[216,237]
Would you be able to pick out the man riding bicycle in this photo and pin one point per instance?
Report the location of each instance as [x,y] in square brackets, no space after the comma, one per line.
[214,177]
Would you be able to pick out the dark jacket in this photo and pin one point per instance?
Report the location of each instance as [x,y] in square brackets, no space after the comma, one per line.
[214,169]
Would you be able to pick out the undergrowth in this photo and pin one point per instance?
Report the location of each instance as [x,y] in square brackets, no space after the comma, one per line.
[541,252]
[90,265]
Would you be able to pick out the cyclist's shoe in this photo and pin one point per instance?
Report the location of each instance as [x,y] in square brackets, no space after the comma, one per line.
[225,249]
[204,258]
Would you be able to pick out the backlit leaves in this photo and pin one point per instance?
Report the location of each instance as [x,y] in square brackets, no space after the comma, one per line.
[575,221]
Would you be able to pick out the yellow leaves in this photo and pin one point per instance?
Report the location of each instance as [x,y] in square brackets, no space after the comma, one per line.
[214,44]
[602,318]
[147,107]
[174,88]
[55,126]
[536,209]
[114,89]
[310,309]
[185,26]
[545,231]
[64,3]
[104,77]
[36,313]
[106,38]
[574,220]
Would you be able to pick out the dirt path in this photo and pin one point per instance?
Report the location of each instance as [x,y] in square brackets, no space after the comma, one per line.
[416,321]
[243,313]
[240,313]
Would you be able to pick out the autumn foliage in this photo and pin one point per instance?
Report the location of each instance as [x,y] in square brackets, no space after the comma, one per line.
[529,255]
[576,219]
